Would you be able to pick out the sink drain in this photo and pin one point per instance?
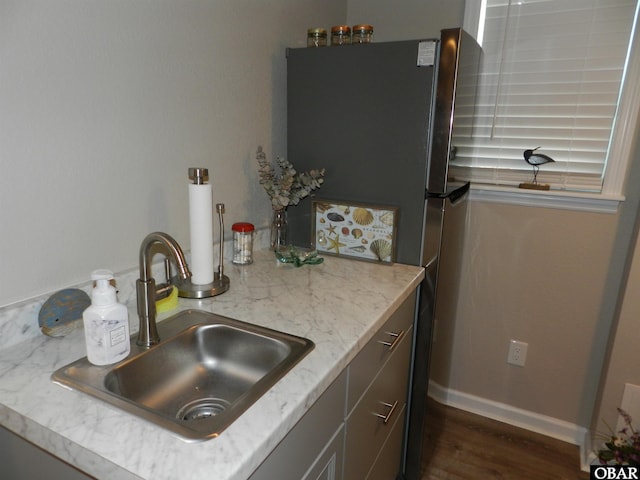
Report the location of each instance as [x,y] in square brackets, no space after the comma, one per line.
[202,409]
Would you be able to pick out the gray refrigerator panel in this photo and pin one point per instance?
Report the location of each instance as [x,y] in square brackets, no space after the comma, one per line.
[457,72]
[363,112]
[414,434]
[446,213]
[434,218]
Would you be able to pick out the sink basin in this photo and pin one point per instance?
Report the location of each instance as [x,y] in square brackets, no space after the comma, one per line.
[205,372]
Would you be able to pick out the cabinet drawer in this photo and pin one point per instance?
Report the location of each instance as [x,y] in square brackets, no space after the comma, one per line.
[366,431]
[388,463]
[372,357]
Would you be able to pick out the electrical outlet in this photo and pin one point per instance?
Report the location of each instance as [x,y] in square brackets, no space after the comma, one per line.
[517,353]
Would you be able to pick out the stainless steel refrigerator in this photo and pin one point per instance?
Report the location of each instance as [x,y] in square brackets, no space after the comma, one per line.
[380,119]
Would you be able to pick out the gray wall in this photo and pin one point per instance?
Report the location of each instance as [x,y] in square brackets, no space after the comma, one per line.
[408,19]
[105,105]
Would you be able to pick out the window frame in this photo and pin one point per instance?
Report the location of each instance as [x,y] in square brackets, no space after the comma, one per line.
[622,140]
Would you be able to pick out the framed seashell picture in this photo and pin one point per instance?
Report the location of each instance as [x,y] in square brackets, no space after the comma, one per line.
[361,231]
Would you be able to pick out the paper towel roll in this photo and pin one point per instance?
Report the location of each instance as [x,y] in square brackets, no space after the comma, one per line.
[201,228]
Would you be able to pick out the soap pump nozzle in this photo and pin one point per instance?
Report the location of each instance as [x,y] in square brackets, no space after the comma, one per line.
[103,292]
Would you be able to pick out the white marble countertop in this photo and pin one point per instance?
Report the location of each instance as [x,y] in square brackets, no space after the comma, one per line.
[338,305]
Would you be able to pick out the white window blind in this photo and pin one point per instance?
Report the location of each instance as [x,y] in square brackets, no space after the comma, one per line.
[550,78]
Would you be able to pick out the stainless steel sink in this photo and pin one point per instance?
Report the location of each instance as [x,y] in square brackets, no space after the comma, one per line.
[206,371]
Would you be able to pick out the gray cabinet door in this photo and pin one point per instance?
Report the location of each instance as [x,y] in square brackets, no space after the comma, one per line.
[300,449]
[328,466]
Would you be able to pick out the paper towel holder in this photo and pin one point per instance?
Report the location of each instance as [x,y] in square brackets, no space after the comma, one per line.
[220,284]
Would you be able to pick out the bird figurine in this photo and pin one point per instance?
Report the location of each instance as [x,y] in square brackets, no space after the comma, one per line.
[535,160]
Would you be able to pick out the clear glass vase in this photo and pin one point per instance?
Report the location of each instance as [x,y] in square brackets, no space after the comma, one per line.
[279,230]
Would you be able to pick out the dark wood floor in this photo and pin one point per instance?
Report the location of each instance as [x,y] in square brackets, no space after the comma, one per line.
[462,446]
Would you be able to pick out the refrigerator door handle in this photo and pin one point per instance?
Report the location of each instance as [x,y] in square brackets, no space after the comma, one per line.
[454,195]
[458,194]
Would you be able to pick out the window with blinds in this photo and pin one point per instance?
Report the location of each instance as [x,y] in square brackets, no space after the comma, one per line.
[550,78]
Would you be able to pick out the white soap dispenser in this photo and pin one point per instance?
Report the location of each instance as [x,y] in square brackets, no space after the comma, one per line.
[106,323]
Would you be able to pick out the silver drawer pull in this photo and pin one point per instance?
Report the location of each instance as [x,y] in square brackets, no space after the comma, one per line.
[396,339]
[387,417]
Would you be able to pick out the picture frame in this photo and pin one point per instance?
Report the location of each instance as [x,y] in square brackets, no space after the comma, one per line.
[356,230]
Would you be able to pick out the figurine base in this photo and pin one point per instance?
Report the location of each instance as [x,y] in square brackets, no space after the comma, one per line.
[534,186]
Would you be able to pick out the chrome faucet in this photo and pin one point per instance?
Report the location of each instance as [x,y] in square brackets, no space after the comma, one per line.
[146,285]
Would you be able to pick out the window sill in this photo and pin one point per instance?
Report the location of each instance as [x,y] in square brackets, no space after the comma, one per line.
[588,202]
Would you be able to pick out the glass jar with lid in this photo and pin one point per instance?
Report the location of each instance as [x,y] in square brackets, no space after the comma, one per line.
[362,33]
[316,37]
[242,243]
[341,35]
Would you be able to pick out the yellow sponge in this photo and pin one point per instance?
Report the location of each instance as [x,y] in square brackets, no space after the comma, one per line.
[169,302]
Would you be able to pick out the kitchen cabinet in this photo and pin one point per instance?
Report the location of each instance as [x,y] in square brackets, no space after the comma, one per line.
[328,466]
[355,429]
[388,464]
[313,448]
[377,398]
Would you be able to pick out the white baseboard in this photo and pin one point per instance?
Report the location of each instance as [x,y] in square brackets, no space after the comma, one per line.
[535,422]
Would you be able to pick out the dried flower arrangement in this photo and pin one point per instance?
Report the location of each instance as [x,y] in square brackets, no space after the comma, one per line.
[290,187]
